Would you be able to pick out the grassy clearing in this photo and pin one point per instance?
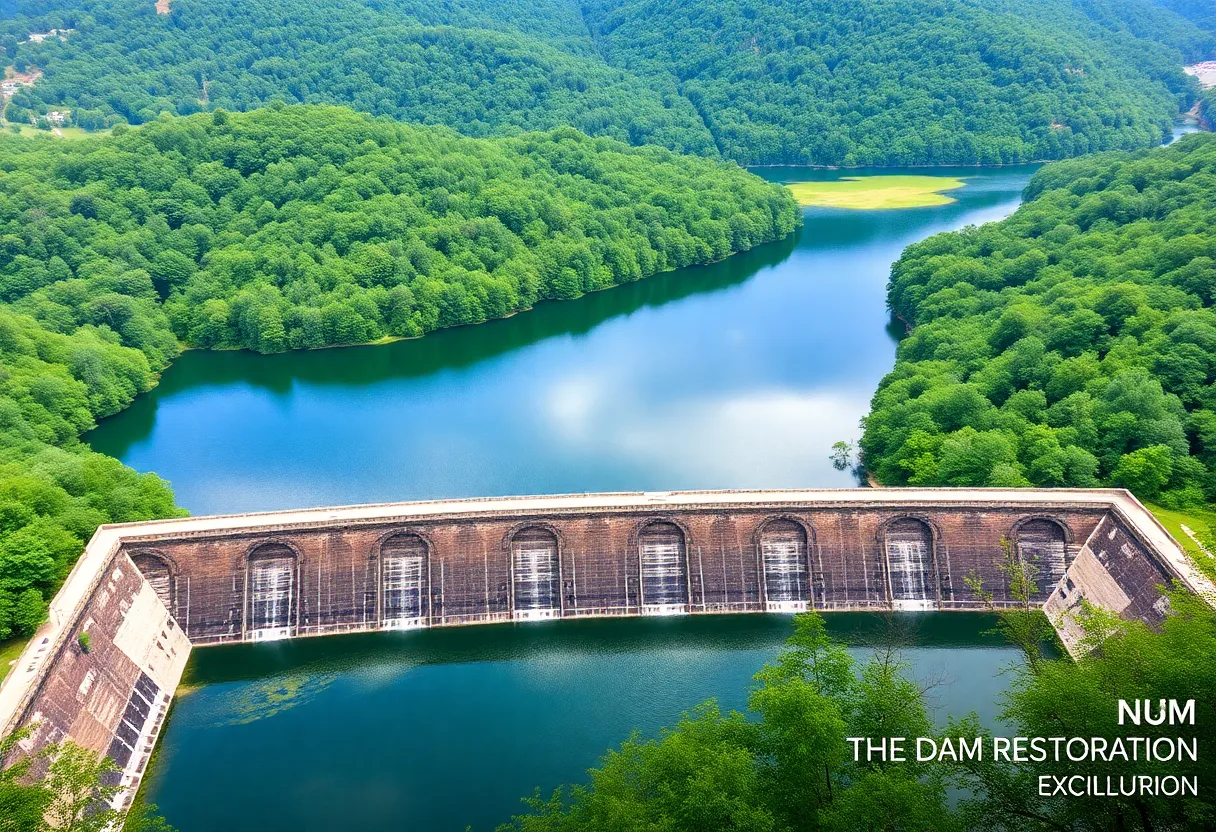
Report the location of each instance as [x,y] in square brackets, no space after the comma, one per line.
[9,651]
[29,130]
[869,193]
[1202,523]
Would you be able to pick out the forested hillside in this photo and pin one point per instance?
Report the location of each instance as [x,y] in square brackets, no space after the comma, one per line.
[895,82]
[482,66]
[890,82]
[292,227]
[1072,344]
[1201,12]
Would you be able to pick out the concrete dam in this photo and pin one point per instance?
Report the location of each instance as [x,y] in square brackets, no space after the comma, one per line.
[147,593]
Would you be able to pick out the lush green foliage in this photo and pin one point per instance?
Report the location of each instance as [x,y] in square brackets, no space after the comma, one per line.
[285,228]
[311,226]
[769,81]
[62,789]
[1054,696]
[1207,107]
[53,491]
[481,66]
[1201,12]
[1072,344]
[788,768]
[895,82]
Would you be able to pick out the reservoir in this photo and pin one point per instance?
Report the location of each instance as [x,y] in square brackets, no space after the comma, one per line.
[741,374]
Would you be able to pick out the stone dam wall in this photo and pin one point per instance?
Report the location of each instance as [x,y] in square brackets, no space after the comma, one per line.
[284,580]
[146,593]
[101,673]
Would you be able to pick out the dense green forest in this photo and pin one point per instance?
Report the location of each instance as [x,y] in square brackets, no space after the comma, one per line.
[1072,344]
[892,82]
[1201,12]
[1207,107]
[284,228]
[927,82]
[787,765]
[482,66]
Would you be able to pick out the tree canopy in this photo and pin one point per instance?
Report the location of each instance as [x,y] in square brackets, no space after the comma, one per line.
[1200,12]
[892,82]
[285,228]
[485,67]
[1069,345]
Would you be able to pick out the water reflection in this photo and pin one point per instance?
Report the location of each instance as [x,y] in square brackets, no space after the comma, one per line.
[592,637]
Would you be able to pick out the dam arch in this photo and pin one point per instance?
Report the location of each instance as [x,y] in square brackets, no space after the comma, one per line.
[784,547]
[1042,542]
[662,547]
[910,559]
[536,573]
[271,591]
[158,569]
[404,584]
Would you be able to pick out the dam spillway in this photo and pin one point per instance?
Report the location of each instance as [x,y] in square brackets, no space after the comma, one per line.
[306,573]
[149,592]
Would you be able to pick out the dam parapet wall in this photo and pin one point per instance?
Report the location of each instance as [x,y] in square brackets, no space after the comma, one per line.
[147,592]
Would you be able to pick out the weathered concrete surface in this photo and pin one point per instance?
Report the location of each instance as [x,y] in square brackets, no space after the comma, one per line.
[1121,568]
[112,694]
[212,580]
[331,568]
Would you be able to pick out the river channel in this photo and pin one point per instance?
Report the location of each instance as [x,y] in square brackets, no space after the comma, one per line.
[736,375]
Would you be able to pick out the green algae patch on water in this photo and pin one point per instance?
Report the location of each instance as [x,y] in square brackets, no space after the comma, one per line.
[870,193]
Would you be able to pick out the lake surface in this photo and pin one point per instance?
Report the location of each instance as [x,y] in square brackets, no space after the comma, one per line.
[434,731]
[737,375]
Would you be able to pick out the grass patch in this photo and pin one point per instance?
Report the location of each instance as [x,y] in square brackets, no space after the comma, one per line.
[869,193]
[1202,522]
[29,131]
[9,651]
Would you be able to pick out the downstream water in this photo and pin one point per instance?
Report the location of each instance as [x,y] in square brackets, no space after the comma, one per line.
[736,375]
[434,731]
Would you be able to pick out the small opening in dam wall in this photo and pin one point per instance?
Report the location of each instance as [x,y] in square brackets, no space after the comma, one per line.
[270,592]
[783,548]
[664,565]
[404,584]
[156,569]
[909,544]
[1042,544]
[536,574]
